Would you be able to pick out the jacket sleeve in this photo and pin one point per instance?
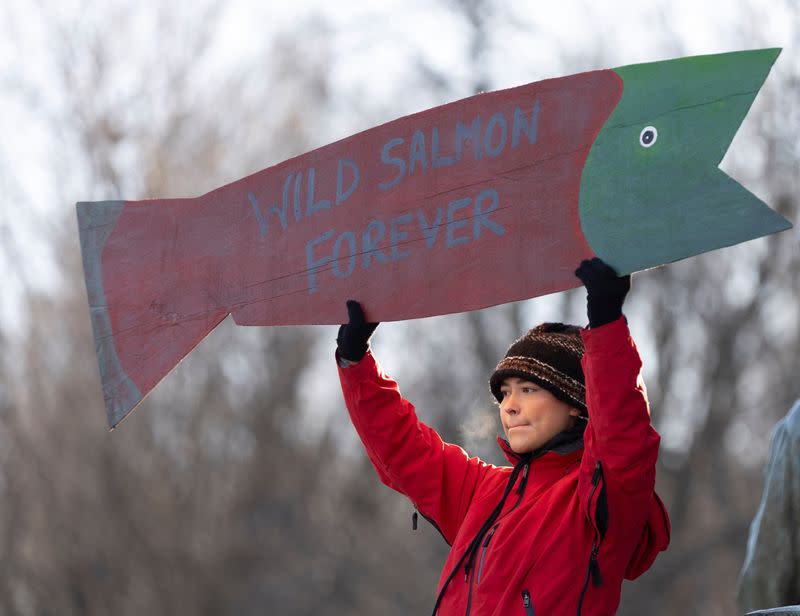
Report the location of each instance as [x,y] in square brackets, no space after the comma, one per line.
[409,456]
[618,469]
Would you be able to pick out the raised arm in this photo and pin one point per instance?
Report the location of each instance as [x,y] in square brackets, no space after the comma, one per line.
[409,456]
[621,446]
[619,431]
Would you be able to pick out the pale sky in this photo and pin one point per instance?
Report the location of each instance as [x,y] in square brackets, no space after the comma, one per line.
[374,46]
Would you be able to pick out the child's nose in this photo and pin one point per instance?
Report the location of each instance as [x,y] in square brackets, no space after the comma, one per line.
[509,405]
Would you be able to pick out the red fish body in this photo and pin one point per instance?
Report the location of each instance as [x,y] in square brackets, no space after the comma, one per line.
[472,204]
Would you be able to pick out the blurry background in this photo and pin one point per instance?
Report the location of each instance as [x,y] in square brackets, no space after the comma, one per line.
[238,486]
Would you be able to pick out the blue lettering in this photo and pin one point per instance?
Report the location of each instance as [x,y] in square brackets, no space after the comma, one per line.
[472,134]
[396,235]
[322,204]
[350,238]
[436,160]
[386,159]
[312,264]
[298,184]
[498,119]
[520,125]
[370,246]
[417,152]
[263,227]
[430,231]
[453,224]
[341,195]
[482,216]
[281,211]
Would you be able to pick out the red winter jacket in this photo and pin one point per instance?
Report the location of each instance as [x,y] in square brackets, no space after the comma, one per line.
[572,526]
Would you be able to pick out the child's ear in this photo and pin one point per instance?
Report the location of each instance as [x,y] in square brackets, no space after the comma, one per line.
[573,412]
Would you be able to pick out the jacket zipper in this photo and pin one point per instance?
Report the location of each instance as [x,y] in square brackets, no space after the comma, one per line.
[470,573]
[593,569]
[484,547]
[520,492]
[469,596]
[526,603]
[520,489]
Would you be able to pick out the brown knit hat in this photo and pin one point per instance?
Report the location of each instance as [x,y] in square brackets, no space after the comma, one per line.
[548,355]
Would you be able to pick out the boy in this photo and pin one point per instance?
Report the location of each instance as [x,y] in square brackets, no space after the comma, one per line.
[576,512]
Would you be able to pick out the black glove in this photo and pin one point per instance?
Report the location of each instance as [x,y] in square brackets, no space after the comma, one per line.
[353,339]
[605,291]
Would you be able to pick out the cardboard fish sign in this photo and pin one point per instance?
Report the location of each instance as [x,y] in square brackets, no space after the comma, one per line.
[490,199]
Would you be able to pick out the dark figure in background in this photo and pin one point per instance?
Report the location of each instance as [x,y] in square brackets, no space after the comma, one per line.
[770,576]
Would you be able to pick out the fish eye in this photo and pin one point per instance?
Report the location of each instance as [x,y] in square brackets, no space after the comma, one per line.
[648,136]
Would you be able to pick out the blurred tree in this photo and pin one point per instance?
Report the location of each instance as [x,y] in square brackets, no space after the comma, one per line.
[222,494]
[214,497]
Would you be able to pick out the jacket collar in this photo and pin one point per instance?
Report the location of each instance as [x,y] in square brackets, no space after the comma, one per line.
[562,443]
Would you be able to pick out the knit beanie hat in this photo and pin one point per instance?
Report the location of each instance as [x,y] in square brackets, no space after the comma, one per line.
[550,356]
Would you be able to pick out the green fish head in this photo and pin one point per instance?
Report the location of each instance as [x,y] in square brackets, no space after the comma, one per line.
[651,190]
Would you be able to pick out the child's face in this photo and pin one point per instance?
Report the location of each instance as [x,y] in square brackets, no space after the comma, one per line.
[531,415]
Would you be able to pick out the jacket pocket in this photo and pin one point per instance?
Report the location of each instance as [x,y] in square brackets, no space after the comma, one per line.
[484,547]
[527,603]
